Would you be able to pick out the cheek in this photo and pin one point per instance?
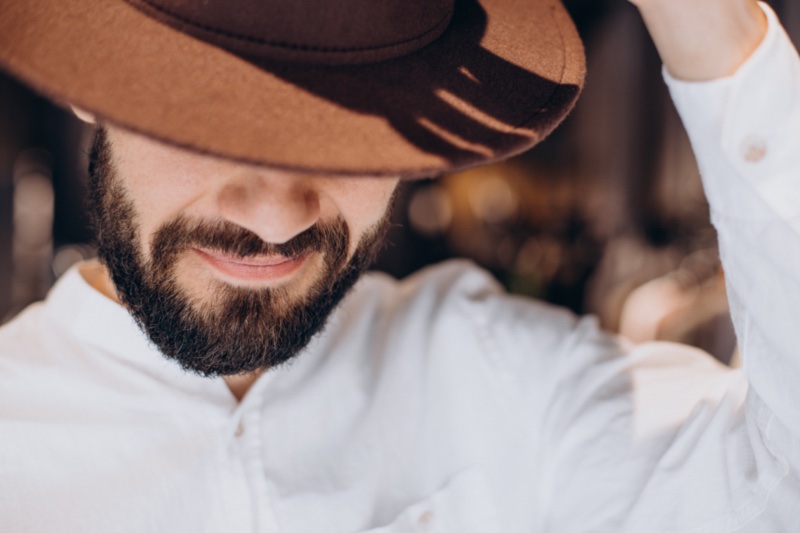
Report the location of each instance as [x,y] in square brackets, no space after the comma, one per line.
[159,194]
[155,206]
[365,203]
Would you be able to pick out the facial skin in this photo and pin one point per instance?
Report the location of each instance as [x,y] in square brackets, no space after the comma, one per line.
[229,268]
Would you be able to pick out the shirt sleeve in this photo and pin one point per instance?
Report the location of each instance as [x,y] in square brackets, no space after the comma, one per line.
[660,437]
[745,131]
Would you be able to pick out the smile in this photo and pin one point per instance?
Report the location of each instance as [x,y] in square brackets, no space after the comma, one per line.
[251,269]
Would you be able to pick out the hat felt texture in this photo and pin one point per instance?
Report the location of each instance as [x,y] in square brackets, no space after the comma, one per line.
[413,89]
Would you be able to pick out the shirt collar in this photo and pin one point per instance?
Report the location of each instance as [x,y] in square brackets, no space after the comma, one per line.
[99,322]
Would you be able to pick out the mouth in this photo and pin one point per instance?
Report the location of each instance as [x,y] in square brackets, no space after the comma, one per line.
[264,268]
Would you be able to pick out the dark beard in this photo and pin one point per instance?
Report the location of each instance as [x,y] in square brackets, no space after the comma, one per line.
[245,329]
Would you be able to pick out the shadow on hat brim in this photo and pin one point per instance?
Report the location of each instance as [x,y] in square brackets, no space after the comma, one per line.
[503,75]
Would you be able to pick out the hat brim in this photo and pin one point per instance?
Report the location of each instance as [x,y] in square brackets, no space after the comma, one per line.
[501,77]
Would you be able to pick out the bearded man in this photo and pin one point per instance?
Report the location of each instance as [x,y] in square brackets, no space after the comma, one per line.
[214,371]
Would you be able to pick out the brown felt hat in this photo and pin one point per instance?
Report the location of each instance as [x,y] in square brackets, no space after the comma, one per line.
[378,87]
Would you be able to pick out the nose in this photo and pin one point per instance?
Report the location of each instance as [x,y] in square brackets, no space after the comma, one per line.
[274,205]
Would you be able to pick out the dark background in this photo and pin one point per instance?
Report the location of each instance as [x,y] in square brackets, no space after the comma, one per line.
[610,201]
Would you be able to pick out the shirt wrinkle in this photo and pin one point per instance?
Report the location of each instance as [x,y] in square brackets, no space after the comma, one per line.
[440,403]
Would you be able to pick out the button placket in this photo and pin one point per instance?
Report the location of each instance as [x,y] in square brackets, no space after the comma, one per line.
[248,440]
[235,428]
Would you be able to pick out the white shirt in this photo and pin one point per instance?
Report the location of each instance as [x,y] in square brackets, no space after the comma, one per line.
[440,403]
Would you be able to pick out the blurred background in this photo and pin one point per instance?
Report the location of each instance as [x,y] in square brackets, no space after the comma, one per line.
[607,216]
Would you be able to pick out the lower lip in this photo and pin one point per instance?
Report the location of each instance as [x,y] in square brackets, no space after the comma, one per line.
[252,269]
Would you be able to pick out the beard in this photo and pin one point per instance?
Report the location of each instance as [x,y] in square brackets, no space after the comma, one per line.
[236,329]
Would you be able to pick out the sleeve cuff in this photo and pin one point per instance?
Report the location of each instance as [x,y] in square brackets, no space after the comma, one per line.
[749,123]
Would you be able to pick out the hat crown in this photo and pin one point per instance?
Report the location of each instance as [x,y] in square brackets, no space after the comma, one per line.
[313,31]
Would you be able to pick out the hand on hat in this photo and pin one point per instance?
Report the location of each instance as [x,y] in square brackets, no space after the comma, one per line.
[703,39]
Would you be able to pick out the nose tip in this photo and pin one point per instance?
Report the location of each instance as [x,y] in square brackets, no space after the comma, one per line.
[275,207]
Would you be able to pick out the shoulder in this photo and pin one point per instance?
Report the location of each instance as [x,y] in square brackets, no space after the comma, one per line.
[456,310]
[21,338]
[456,288]
[25,356]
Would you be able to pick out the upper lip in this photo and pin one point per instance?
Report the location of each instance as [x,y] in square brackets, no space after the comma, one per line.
[253,260]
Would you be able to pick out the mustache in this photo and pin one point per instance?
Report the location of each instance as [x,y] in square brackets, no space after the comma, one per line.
[226,237]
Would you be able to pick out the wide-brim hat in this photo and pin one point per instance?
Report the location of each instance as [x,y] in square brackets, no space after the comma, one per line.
[355,87]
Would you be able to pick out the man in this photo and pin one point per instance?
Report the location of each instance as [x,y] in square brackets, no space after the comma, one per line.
[231,232]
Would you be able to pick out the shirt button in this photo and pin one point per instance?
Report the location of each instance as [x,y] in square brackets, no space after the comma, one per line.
[425,520]
[239,430]
[754,149]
